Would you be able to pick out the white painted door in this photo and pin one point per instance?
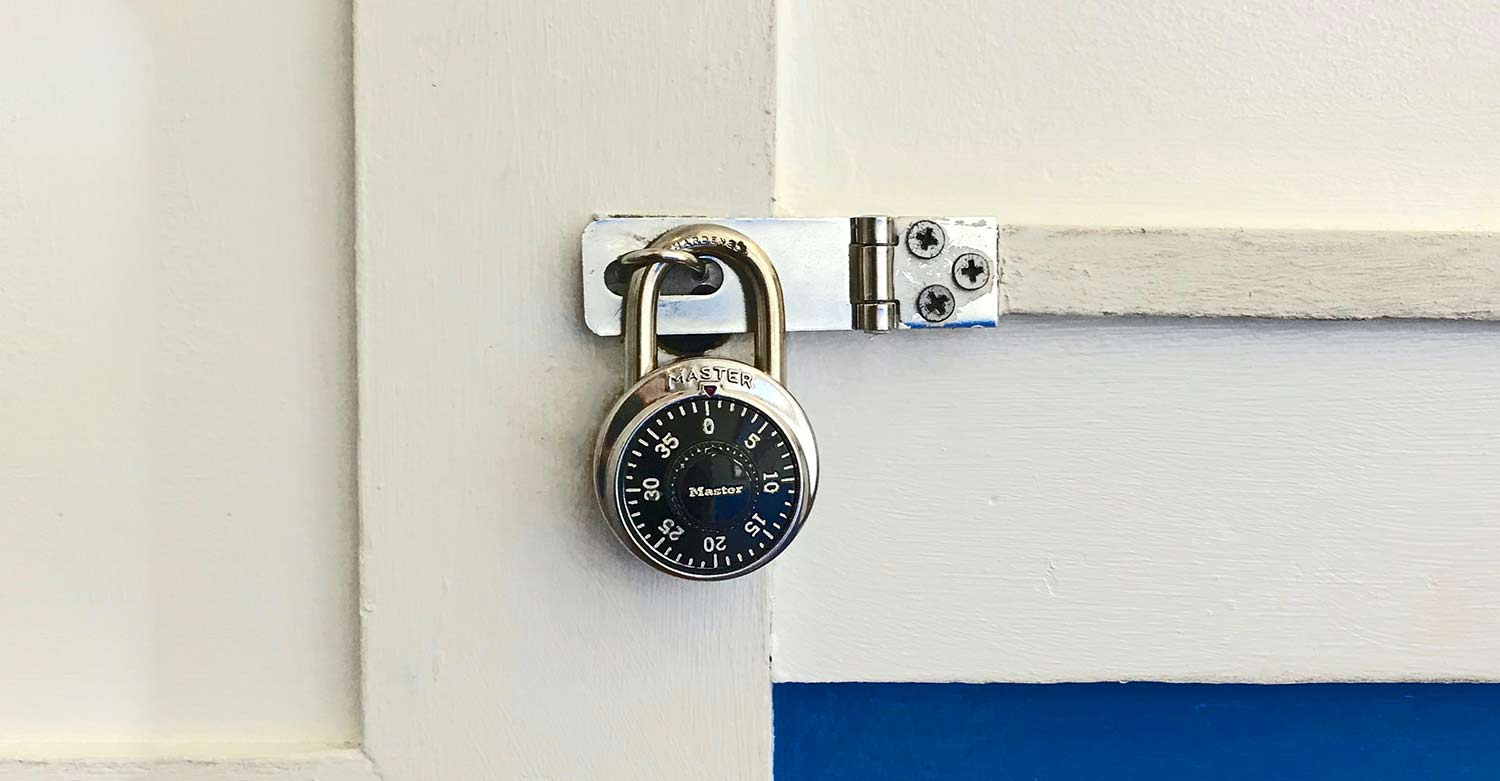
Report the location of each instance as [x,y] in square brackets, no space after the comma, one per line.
[1080,494]
[1058,499]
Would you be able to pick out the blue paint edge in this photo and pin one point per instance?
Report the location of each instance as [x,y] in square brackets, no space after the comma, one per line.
[1159,731]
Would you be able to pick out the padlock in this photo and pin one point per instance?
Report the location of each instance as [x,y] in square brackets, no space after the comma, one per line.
[705,468]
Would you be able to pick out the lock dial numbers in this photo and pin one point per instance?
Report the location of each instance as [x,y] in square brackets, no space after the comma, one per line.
[710,486]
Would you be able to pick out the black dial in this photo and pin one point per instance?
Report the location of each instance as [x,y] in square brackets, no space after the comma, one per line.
[709,485]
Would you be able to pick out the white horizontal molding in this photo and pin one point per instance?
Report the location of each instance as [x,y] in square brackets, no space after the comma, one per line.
[333,765]
[1209,272]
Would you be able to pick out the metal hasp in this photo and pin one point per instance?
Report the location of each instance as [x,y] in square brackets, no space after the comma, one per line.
[866,273]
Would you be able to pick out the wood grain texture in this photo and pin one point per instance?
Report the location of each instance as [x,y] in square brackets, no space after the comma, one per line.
[1250,273]
[340,765]
[1147,499]
[507,634]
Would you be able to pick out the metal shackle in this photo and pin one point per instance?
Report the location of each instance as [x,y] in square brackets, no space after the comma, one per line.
[687,245]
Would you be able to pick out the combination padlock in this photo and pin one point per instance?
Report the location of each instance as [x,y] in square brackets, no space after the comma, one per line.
[706,467]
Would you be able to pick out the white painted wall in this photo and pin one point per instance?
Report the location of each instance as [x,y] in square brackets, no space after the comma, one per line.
[1360,114]
[176,375]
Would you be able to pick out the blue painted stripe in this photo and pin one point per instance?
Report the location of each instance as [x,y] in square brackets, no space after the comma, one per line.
[1158,731]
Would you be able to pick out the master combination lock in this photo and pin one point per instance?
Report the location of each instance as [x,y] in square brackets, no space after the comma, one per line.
[706,467]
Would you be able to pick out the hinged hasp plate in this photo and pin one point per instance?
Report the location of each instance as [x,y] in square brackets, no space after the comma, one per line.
[837,273]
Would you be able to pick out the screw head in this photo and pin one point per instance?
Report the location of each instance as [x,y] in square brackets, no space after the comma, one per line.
[935,303]
[971,271]
[925,239]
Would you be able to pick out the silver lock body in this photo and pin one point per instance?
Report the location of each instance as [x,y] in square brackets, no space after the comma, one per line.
[705,468]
